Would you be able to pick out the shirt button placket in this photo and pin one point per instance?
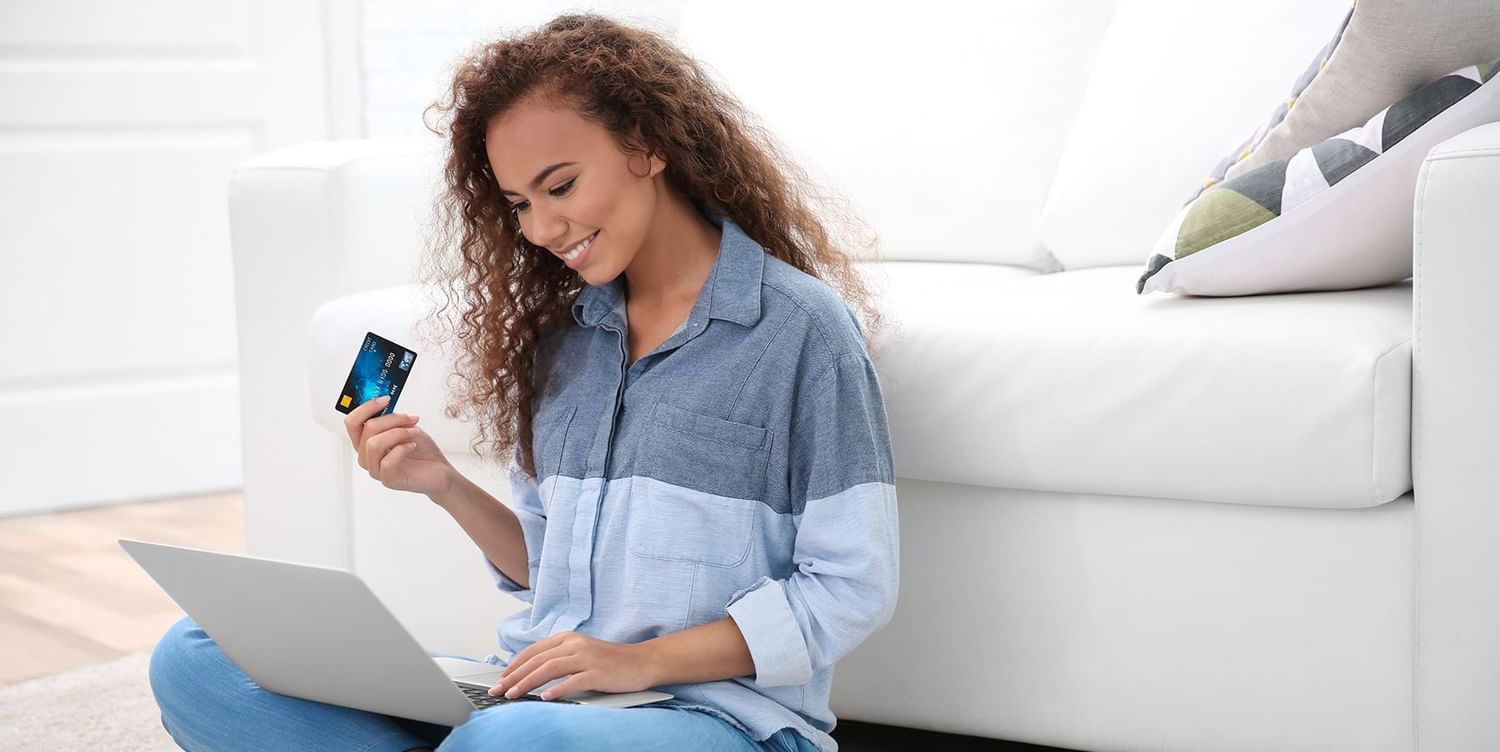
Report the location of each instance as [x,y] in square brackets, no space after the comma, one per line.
[585,526]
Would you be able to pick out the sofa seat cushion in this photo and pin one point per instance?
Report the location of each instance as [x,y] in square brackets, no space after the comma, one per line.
[1071,382]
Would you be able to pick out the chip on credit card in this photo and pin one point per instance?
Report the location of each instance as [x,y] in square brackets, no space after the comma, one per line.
[380,368]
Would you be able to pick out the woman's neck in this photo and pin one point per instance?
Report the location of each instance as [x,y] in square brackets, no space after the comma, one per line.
[676,256]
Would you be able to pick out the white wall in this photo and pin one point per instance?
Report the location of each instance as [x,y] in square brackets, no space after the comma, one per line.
[409,49]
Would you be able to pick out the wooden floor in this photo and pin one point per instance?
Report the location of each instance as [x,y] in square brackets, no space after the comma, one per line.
[70,596]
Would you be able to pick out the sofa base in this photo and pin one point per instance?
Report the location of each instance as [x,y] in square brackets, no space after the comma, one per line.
[1125,623]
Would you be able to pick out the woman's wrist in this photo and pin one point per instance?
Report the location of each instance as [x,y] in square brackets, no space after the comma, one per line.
[649,658]
[452,492]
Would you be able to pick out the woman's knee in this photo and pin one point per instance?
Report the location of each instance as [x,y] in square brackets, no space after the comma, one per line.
[173,651]
[184,656]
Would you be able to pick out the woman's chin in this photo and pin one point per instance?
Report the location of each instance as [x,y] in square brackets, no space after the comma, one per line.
[591,277]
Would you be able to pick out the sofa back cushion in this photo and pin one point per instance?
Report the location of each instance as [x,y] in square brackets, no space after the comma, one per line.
[1174,86]
[941,121]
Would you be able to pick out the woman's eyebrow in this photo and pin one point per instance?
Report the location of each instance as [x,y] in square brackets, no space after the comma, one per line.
[540,176]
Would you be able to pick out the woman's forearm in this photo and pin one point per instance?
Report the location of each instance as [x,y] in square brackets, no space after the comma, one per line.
[490,524]
[707,652]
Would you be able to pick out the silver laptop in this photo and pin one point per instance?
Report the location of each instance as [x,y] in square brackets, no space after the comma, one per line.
[320,634]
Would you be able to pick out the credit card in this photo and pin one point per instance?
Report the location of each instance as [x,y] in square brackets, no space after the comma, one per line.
[380,368]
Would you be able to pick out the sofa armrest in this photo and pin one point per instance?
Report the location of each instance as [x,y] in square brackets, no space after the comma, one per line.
[1456,443]
[309,223]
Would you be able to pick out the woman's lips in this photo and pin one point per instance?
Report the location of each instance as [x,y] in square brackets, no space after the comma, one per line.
[583,256]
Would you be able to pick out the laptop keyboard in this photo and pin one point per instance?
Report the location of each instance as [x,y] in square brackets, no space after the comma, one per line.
[482,698]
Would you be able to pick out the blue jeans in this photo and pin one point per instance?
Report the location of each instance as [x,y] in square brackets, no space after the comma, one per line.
[208,703]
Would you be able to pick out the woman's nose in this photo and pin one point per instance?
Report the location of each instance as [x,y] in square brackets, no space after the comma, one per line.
[551,230]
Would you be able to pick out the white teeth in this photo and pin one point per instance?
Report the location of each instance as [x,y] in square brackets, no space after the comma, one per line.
[577,249]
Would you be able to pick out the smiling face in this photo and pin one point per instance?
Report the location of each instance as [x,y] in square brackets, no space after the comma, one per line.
[567,179]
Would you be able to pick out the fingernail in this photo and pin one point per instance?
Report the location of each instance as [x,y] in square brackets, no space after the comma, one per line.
[384,398]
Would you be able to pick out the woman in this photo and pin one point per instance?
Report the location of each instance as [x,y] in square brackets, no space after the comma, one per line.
[702,492]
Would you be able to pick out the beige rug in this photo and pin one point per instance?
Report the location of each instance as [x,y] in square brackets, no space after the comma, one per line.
[104,706]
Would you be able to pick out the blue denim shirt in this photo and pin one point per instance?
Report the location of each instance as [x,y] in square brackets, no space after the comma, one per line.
[740,469]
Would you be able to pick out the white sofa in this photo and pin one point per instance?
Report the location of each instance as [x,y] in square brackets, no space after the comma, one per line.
[1127,523]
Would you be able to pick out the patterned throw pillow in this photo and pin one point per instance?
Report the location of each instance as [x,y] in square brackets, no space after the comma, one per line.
[1278,116]
[1382,50]
[1333,216]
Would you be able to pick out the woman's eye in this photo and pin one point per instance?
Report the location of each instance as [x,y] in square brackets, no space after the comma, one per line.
[563,189]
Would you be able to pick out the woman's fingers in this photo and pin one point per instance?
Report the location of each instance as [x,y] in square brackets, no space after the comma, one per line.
[524,664]
[374,429]
[390,462]
[549,669]
[574,684]
[380,448]
[364,422]
[519,660]
[354,421]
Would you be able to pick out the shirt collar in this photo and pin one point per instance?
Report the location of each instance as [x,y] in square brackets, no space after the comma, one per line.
[731,292]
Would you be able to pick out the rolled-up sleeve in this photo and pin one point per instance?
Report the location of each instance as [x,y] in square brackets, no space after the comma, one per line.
[526,502]
[847,548]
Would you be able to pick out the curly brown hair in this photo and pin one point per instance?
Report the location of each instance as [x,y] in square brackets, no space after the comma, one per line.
[512,294]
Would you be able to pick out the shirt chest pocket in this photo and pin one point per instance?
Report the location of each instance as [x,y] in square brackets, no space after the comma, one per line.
[699,485]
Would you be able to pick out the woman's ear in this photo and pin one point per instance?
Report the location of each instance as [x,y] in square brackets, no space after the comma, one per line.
[655,163]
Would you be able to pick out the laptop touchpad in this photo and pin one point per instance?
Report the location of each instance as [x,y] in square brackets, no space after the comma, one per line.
[473,672]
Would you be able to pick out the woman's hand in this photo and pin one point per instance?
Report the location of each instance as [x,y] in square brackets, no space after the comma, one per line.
[395,452]
[595,664]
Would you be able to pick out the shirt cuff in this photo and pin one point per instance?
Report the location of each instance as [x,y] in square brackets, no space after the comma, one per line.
[505,583]
[776,644]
